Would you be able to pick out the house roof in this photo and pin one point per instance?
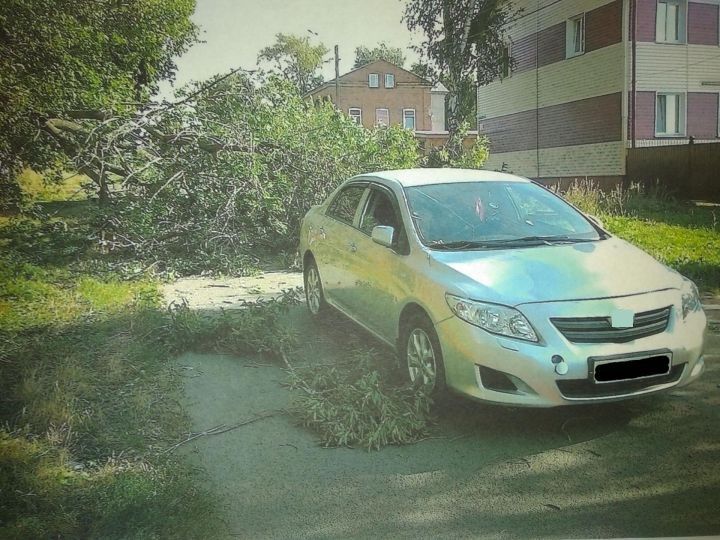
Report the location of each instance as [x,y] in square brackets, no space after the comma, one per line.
[381,64]
[421,177]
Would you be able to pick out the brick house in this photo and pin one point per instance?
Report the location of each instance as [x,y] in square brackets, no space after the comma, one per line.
[385,94]
[588,85]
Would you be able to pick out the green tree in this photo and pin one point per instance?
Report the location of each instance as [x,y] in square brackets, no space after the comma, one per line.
[422,69]
[296,59]
[394,55]
[66,61]
[464,47]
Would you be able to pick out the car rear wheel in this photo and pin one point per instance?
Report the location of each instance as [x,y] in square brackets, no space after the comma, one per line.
[422,355]
[314,295]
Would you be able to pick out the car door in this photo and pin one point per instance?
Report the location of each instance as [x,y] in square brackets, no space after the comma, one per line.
[333,243]
[382,276]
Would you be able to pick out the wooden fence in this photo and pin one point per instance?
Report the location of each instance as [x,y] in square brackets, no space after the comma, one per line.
[690,171]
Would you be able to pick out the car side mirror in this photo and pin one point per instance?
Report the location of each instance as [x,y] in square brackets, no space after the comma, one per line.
[383,235]
[596,220]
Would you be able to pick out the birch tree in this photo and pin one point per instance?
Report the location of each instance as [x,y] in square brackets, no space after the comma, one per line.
[464,47]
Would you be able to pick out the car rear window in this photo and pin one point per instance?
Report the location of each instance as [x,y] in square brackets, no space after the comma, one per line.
[345,204]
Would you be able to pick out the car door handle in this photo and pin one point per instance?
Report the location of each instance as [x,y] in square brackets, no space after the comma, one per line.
[353,247]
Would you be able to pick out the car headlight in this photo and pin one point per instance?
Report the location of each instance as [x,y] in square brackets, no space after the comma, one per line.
[690,298]
[494,318]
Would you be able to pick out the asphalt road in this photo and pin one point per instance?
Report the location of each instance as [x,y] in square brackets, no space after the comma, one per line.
[648,467]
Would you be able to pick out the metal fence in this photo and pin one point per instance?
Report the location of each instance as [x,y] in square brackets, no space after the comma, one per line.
[691,171]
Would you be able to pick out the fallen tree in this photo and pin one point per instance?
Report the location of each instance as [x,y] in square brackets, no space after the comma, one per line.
[229,167]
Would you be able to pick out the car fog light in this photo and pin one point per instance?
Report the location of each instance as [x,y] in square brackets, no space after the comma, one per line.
[561,368]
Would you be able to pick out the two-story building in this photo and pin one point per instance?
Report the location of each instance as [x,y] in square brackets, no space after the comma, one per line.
[381,93]
[591,79]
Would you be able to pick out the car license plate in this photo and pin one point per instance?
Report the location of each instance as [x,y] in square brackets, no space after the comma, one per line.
[624,369]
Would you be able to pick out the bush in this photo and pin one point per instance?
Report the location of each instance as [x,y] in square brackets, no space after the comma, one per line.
[456,154]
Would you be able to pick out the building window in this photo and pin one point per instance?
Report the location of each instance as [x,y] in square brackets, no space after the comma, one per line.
[575,36]
[382,117]
[669,114]
[389,80]
[356,114]
[505,62]
[670,21]
[373,80]
[409,119]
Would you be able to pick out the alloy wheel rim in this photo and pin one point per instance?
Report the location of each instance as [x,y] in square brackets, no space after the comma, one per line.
[421,358]
[313,291]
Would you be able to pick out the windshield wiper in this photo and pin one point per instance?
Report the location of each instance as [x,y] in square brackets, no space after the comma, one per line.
[458,245]
[553,239]
[506,242]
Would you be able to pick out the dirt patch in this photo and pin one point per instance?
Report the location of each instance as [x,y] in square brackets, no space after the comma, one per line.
[229,293]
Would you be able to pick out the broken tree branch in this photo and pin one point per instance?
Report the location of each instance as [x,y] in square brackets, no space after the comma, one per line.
[222,428]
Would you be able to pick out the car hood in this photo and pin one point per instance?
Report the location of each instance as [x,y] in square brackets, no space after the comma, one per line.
[602,269]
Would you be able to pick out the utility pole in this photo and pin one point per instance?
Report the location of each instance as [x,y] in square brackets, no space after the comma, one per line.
[337,75]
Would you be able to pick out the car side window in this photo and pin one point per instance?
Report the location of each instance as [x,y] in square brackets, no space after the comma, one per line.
[381,209]
[378,211]
[345,204]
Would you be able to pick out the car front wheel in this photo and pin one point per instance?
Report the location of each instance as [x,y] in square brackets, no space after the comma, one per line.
[422,355]
[313,289]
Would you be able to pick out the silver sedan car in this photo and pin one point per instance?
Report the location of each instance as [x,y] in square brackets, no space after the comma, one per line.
[494,287]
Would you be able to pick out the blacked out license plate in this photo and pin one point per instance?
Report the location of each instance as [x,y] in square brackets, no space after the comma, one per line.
[629,369]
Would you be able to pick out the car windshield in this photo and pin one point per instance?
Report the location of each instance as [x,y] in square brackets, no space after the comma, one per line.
[468,215]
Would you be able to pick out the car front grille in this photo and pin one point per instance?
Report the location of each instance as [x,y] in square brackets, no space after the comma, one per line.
[600,330]
[585,388]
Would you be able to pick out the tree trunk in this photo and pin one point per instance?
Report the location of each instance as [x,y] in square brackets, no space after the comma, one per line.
[454,144]
[103,191]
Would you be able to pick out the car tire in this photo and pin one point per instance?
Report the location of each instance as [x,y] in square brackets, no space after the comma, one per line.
[314,295]
[421,355]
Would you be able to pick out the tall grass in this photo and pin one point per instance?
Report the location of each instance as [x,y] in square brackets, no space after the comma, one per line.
[87,401]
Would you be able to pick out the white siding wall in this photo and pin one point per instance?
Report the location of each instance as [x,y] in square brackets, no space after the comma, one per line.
[539,14]
[677,68]
[593,74]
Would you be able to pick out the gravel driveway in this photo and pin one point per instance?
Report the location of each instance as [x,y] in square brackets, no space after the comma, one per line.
[649,467]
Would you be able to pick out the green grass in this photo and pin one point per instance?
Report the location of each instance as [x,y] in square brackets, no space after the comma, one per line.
[36,189]
[683,235]
[88,400]
[691,249]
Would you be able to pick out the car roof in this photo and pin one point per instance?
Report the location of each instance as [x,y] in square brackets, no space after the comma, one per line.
[422,177]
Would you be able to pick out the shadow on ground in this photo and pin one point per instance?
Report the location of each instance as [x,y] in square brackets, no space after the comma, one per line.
[642,468]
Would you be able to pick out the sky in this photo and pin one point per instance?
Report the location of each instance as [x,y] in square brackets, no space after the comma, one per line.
[234,31]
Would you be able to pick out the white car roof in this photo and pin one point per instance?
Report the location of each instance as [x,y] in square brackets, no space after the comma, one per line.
[422,177]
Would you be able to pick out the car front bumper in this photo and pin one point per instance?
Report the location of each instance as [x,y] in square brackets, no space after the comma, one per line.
[466,348]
